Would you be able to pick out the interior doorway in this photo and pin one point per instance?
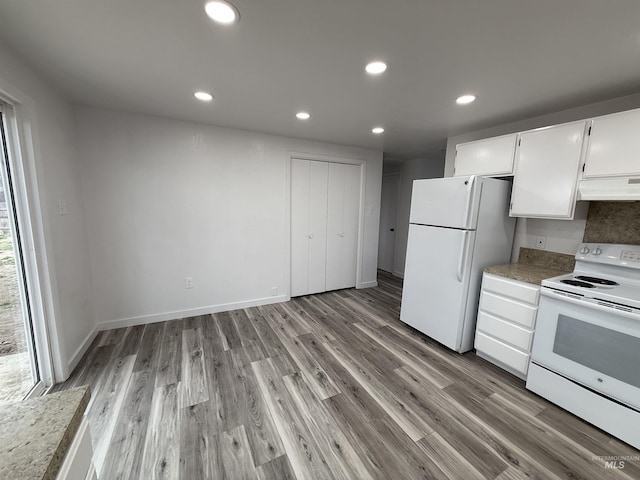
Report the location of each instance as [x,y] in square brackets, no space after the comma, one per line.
[388,216]
[19,372]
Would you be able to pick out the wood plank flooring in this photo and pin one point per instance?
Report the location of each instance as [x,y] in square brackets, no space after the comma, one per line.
[325,386]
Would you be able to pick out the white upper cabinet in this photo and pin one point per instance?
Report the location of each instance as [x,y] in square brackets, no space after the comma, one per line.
[546,171]
[614,146]
[492,157]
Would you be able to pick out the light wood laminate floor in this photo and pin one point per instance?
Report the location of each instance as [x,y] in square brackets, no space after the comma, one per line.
[324,386]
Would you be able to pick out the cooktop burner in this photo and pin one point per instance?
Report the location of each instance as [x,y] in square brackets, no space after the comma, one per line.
[596,280]
[577,283]
[606,273]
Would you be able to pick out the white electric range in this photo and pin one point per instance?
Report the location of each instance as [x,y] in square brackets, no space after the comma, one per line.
[586,348]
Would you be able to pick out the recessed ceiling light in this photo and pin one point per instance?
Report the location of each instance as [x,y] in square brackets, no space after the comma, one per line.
[376,68]
[303,115]
[465,99]
[203,96]
[377,130]
[222,12]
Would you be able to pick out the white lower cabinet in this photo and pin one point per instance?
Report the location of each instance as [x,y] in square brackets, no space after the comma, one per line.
[506,322]
[78,463]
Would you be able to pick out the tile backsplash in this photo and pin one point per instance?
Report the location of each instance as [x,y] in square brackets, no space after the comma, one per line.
[613,222]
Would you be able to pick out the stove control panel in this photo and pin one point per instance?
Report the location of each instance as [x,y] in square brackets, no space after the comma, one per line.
[611,254]
[630,255]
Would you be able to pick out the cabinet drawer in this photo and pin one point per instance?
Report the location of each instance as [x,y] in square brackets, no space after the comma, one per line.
[502,352]
[510,309]
[509,333]
[524,292]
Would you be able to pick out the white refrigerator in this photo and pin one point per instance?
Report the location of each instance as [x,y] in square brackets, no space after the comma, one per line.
[457,226]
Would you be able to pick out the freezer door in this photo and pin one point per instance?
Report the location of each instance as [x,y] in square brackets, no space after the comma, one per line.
[436,282]
[446,202]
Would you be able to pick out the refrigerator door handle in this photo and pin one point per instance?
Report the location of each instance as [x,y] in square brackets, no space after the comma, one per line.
[463,256]
[467,208]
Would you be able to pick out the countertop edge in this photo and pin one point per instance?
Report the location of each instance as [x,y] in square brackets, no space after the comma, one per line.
[67,438]
[524,272]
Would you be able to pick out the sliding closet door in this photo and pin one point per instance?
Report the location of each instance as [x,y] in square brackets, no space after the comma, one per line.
[343,217]
[299,227]
[308,226]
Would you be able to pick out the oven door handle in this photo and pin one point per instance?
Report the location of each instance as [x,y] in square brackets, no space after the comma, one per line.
[590,303]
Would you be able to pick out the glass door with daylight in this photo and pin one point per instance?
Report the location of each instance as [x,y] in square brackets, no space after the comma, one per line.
[18,362]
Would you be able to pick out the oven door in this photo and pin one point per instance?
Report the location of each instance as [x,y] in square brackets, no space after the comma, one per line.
[593,344]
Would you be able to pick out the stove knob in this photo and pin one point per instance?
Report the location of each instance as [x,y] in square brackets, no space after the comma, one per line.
[597,251]
[584,250]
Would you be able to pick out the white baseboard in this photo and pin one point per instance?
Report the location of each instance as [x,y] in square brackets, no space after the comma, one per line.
[84,346]
[162,317]
[367,284]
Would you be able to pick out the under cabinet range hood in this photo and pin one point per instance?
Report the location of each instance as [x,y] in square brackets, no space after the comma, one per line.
[610,189]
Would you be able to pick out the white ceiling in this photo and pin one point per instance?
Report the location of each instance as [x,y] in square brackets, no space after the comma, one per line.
[521,57]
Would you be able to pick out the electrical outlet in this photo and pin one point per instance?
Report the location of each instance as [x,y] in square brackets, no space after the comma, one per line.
[541,242]
[274,292]
[62,207]
[188,282]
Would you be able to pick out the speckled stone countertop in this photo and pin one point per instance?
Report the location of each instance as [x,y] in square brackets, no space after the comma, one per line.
[534,266]
[37,433]
[524,272]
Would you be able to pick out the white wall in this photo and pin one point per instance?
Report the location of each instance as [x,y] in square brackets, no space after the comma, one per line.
[63,258]
[562,236]
[410,170]
[167,200]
